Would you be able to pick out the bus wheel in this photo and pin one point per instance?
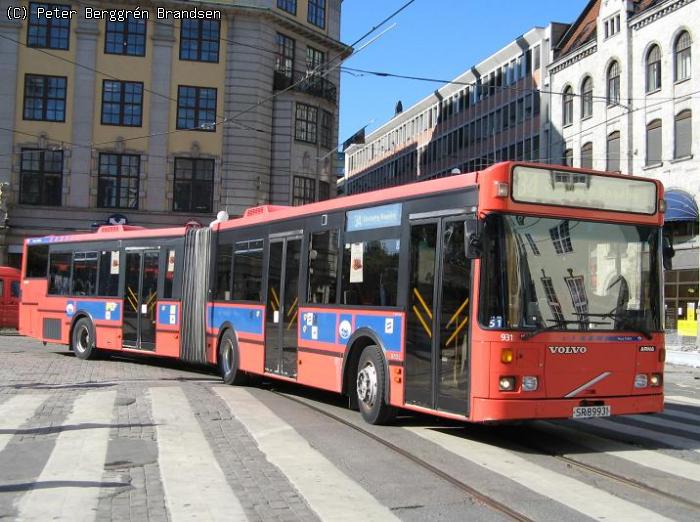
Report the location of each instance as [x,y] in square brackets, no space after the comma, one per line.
[228,360]
[371,387]
[83,341]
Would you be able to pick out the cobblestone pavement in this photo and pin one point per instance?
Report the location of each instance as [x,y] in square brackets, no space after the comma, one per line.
[151,439]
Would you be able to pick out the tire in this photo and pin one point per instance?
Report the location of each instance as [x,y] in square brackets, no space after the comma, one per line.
[83,339]
[370,387]
[228,360]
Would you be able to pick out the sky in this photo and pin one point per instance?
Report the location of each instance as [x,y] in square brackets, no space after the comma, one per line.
[432,38]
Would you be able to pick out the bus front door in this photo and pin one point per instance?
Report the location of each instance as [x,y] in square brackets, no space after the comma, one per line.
[140,300]
[437,336]
[282,309]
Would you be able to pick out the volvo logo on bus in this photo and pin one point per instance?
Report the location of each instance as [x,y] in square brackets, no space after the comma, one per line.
[562,350]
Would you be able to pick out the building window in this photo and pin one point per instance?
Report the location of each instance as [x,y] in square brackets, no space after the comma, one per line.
[288,5]
[317,13]
[568,159]
[568,106]
[199,40]
[324,190]
[681,51]
[613,76]
[196,108]
[561,238]
[314,60]
[653,143]
[48,33]
[326,129]
[304,190]
[577,289]
[683,134]
[306,122]
[193,189]
[612,26]
[653,69]
[44,98]
[41,177]
[613,152]
[552,300]
[587,156]
[127,37]
[587,97]
[285,55]
[122,103]
[118,181]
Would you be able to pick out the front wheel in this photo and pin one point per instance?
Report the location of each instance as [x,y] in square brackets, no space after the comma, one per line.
[228,360]
[83,339]
[371,387]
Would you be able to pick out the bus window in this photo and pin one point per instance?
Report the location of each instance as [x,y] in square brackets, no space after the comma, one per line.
[59,273]
[14,289]
[2,287]
[37,261]
[109,273]
[323,267]
[371,273]
[84,273]
[169,275]
[223,272]
[247,271]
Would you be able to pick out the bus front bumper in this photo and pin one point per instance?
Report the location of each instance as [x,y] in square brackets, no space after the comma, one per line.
[489,410]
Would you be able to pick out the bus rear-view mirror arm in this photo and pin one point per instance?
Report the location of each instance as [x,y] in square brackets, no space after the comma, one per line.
[667,251]
[472,234]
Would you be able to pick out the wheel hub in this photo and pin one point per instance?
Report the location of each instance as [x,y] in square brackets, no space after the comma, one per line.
[83,339]
[227,357]
[367,384]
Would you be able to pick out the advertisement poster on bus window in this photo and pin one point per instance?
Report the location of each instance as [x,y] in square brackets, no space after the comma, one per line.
[356,262]
[114,264]
[171,260]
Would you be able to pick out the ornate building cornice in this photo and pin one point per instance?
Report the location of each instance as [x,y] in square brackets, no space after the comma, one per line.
[571,58]
[651,15]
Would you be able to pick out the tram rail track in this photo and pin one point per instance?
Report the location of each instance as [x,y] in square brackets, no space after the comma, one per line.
[473,493]
[597,470]
[484,498]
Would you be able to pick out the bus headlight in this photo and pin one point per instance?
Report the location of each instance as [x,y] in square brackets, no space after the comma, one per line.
[655,379]
[529,383]
[506,383]
[640,380]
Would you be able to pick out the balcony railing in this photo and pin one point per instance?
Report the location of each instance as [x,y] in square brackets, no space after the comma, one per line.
[313,85]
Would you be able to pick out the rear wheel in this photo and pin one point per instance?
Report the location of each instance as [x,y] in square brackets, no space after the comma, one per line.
[228,360]
[371,387]
[83,339]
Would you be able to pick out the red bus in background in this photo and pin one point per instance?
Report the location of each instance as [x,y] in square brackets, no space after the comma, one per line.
[522,291]
[9,296]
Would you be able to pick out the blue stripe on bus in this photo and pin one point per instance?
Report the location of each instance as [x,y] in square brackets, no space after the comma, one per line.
[319,327]
[98,310]
[244,320]
[387,327]
[168,314]
[334,328]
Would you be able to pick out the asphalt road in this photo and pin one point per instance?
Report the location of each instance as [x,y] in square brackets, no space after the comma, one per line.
[150,439]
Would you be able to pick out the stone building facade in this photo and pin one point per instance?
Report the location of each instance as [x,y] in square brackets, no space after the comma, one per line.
[165,120]
[629,102]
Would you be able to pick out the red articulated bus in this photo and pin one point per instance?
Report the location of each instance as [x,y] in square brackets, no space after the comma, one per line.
[522,291]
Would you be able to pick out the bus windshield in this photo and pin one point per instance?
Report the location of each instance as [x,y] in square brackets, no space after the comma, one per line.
[564,274]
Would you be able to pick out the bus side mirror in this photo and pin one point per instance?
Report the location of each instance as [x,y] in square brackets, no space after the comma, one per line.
[667,251]
[472,235]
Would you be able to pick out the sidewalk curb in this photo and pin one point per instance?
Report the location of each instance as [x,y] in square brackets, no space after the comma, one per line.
[683,358]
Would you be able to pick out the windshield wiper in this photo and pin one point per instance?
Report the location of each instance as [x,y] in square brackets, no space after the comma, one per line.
[529,335]
[622,322]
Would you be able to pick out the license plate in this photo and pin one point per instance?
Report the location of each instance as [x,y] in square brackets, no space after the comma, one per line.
[589,412]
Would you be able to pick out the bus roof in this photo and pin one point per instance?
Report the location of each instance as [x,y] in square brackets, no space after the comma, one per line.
[108,232]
